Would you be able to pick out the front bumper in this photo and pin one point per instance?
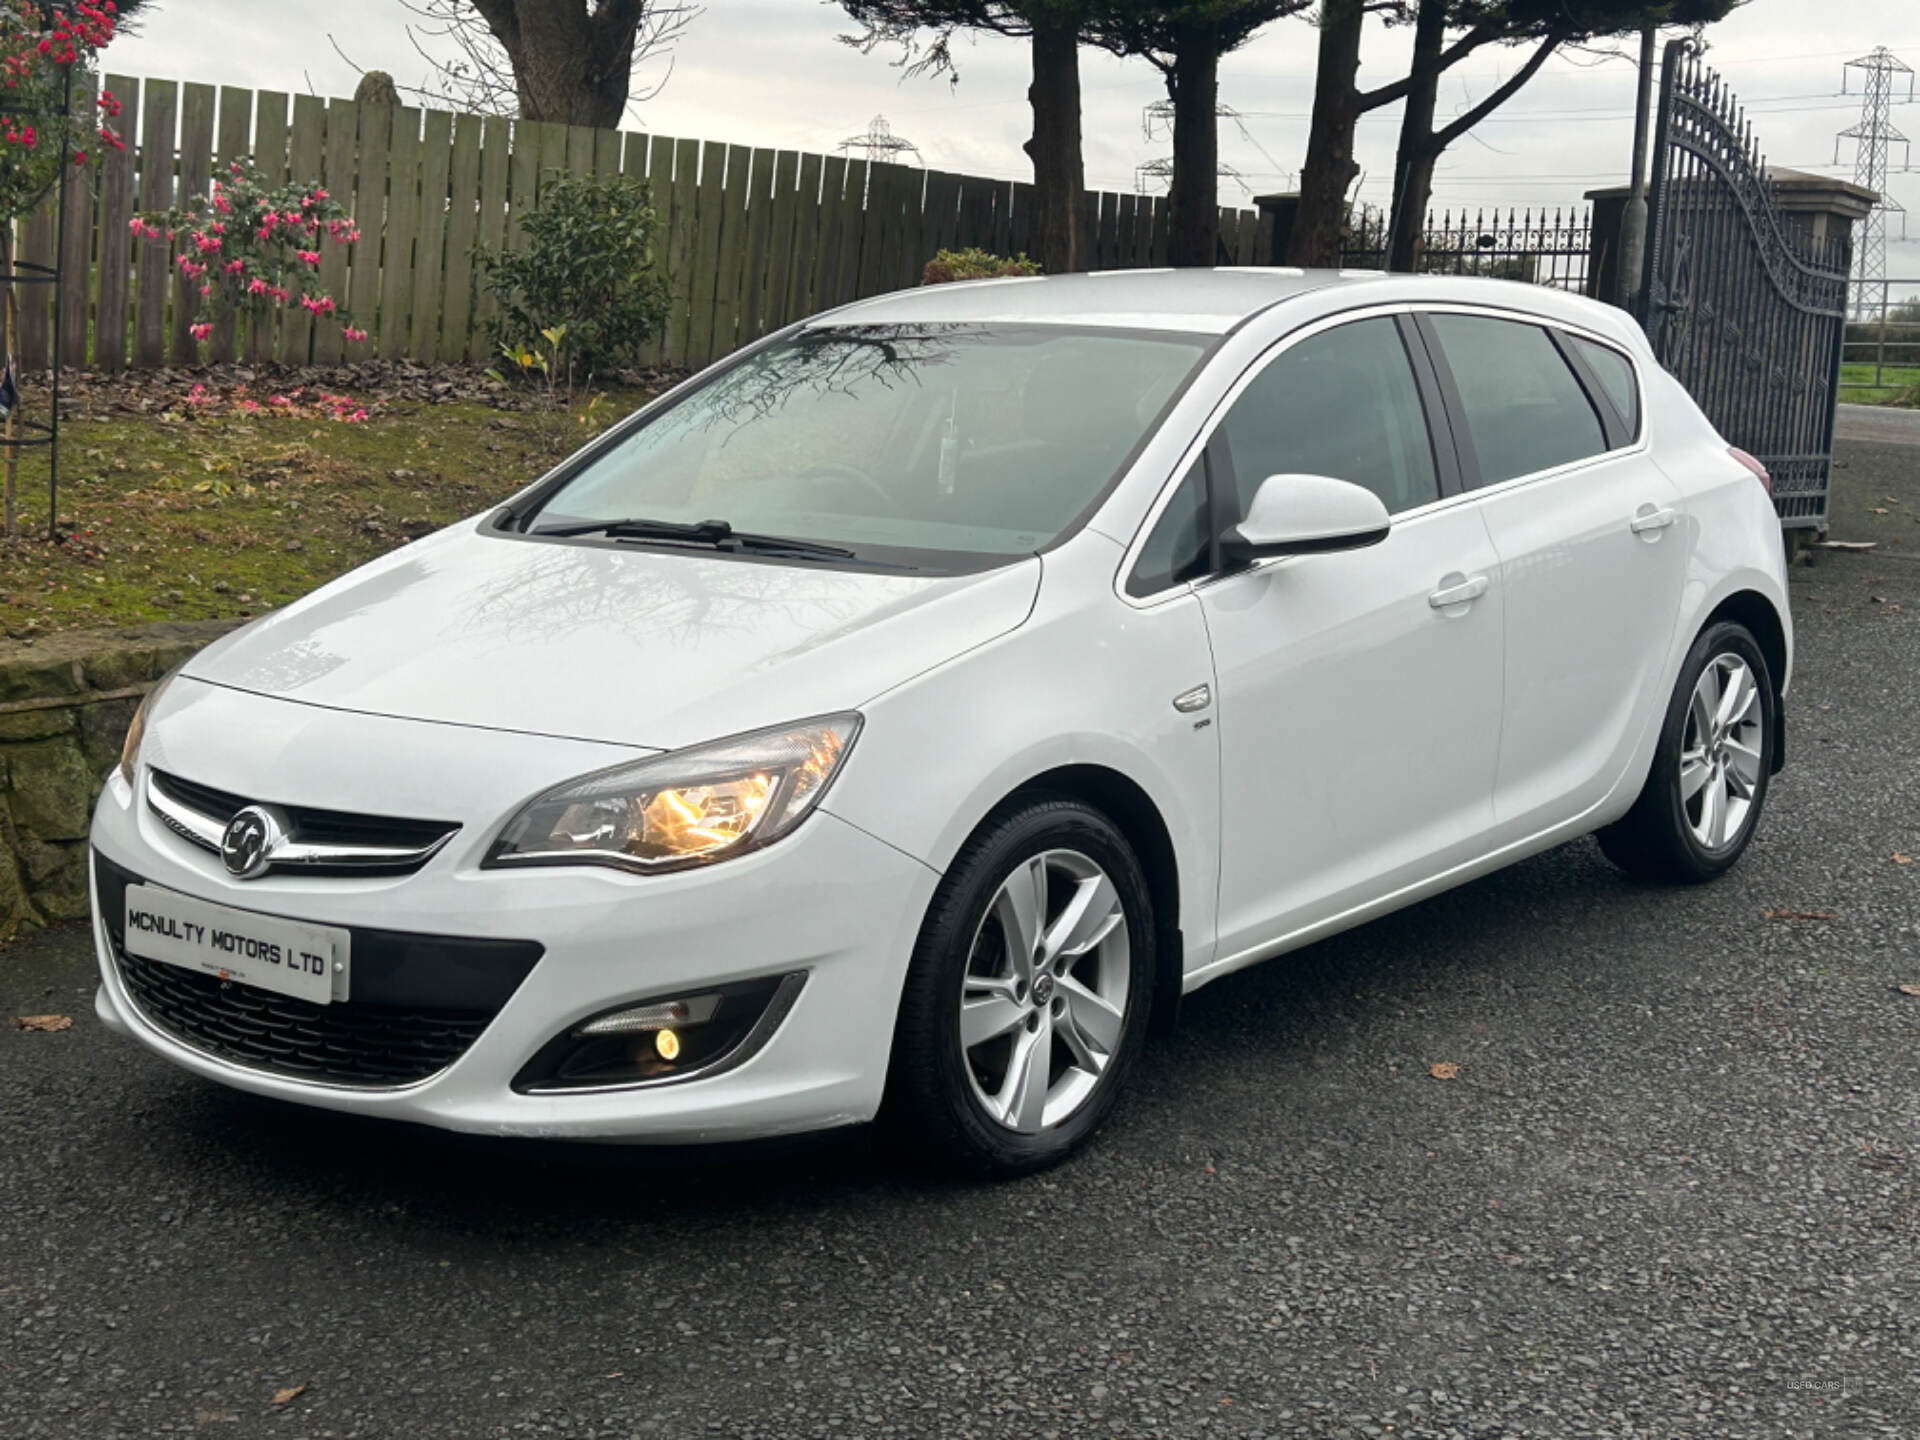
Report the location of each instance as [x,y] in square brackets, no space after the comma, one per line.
[828,900]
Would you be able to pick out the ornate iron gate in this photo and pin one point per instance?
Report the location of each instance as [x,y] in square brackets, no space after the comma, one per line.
[1746,309]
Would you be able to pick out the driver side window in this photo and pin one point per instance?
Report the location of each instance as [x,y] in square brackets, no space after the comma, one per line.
[1344,404]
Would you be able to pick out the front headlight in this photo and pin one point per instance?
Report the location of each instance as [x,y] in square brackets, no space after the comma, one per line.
[687,807]
[137,731]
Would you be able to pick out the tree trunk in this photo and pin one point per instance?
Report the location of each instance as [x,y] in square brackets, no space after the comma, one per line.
[1420,151]
[1416,151]
[1059,171]
[1193,199]
[1330,166]
[1409,211]
[570,66]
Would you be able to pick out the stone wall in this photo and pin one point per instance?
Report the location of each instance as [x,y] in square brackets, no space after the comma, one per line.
[65,703]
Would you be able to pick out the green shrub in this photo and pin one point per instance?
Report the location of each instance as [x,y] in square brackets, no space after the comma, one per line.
[585,268]
[975,264]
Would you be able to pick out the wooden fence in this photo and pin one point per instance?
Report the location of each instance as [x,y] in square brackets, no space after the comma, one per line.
[749,239]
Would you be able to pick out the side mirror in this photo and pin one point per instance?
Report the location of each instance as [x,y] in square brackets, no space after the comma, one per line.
[1305,514]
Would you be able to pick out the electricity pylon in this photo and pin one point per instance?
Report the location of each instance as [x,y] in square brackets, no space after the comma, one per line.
[879,143]
[1874,137]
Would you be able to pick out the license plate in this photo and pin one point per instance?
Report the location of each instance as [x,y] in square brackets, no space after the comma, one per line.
[288,957]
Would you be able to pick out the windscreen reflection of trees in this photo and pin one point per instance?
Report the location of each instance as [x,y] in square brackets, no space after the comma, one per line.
[830,362]
[948,437]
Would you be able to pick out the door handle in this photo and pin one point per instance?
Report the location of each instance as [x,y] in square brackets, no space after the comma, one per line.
[1649,519]
[1464,593]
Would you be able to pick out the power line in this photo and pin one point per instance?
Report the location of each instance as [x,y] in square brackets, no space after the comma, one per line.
[1551,117]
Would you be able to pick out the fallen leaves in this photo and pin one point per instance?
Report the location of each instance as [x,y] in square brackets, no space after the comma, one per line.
[1444,1070]
[45,1024]
[1908,989]
[1900,859]
[1848,545]
[1801,914]
[290,1394]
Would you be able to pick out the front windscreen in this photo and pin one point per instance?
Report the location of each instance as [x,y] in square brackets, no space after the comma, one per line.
[974,440]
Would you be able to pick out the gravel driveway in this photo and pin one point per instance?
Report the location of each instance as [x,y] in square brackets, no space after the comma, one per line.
[1671,1192]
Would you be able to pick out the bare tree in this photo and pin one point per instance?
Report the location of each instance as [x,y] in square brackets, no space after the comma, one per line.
[1544,24]
[569,61]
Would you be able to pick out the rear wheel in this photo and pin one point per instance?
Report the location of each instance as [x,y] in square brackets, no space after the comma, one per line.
[1708,784]
[1028,994]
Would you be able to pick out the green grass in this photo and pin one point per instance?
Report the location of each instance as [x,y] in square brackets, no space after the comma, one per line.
[1899,384]
[188,513]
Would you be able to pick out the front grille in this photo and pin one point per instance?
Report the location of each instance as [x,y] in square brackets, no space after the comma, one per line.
[402,845]
[418,1002]
[348,1044]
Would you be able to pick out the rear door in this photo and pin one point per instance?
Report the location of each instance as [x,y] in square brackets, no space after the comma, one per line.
[1591,557]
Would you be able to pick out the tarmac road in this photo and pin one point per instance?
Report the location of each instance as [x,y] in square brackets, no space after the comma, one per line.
[1672,1192]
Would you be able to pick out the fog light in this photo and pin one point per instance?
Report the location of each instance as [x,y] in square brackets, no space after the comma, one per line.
[696,1010]
[659,1040]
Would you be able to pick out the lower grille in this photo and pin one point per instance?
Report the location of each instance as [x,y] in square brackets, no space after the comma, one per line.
[349,1044]
[418,1002]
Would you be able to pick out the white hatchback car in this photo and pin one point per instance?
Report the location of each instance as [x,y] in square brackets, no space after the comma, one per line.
[899,717]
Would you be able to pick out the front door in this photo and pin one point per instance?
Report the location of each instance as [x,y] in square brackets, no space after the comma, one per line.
[1360,691]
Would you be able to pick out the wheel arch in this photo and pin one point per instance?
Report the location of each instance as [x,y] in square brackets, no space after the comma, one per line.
[1121,799]
[1756,613]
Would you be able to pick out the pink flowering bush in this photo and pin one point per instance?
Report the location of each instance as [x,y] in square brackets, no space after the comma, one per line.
[254,249]
[39,47]
[41,50]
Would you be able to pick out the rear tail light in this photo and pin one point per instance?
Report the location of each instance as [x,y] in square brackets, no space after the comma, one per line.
[1759,470]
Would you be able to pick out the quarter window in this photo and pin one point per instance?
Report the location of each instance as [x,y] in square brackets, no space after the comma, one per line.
[1615,374]
[1181,544]
[1525,410]
[1342,403]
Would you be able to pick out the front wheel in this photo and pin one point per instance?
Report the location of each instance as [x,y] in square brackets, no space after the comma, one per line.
[1708,784]
[1027,998]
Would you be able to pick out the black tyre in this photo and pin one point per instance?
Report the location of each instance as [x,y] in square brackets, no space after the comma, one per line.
[1708,785]
[1027,999]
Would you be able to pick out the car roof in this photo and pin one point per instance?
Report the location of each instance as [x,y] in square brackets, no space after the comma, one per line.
[1202,301]
[1205,301]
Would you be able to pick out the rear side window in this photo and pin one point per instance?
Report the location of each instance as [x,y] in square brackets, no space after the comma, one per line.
[1180,546]
[1342,403]
[1615,374]
[1525,410]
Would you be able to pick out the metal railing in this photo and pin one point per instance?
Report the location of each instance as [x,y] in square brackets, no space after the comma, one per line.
[1881,355]
[1541,247]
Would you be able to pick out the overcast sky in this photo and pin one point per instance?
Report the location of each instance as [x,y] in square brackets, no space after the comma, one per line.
[773,73]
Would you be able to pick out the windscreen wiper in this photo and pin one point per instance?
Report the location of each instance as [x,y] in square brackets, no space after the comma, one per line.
[717,533]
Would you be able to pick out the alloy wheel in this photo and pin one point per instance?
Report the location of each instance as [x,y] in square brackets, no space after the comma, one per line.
[1720,753]
[1043,998]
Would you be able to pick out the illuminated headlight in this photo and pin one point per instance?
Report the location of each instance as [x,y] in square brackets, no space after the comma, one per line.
[688,807]
[137,731]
